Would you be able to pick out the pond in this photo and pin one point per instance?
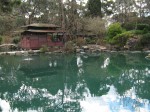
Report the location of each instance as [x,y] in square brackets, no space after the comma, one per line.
[105,82]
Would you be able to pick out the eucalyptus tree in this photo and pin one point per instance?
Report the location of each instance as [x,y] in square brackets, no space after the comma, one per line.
[123,10]
[74,11]
[40,10]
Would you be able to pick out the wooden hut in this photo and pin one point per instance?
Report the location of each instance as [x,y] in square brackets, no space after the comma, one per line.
[36,35]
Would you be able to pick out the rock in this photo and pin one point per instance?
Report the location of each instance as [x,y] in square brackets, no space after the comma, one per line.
[11,53]
[102,48]
[132,43]
[25,53]
[48,53]
[79,50]
[31,51]
[18,53]
[2,53]
[85,47]
[148,56]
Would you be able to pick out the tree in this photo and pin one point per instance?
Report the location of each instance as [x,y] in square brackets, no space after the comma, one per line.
[74,13]
[8,15]
[107,7]
[94,8]
[7,5]
[46,11]
[95,26]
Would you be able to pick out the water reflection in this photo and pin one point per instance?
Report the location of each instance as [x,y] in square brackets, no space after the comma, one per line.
[69,83]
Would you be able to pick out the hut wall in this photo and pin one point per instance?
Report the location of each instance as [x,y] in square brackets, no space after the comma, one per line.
[42,40]
[36,41]
[25,42]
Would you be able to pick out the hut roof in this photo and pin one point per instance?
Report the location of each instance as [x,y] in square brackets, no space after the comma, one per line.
[45,31]
[42,25]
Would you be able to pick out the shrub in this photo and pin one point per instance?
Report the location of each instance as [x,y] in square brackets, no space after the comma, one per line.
[16,40]
[80,42]
[69,47]
[145,39]
[121,39]
[95,25]
[1,39]
[129,26]
[91,40]
[137,32]
[100,42]
[142,26]
[44,49]
[114,29]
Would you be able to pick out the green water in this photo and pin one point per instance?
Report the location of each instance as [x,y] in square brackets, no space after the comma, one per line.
[108,82]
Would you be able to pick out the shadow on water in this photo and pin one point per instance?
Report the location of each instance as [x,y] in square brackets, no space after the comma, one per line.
[110,82]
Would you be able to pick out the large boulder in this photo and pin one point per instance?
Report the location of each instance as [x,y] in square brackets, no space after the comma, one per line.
[132,43]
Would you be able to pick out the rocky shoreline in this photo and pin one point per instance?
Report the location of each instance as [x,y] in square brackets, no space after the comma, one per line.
[84,49]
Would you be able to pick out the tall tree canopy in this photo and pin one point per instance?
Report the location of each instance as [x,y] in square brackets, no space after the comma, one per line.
[94,8]
[7,5]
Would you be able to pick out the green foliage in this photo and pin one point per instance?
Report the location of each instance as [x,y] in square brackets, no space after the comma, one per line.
[1,38]
[114,29]
[100,42]
[137,32]
[121,39]
[91,40]
[145,39]
[16,40]
[100,8]
[129,26]
[107,6]
[7,5]
[94,7]
[19,21]
[143,26]
[44,49]
[6,24]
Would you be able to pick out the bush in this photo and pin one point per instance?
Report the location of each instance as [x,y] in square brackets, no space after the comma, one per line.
[1,39]
[129,26]
[69,47]
[143,26]
[80,42]
[121,39]
[91,40]
[114,29]
[145,39]
[100,42]
[137,32]
[16,40]
[44,49]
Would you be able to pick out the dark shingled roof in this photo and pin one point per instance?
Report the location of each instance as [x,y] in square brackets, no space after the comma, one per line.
[45,31]
[42,25]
